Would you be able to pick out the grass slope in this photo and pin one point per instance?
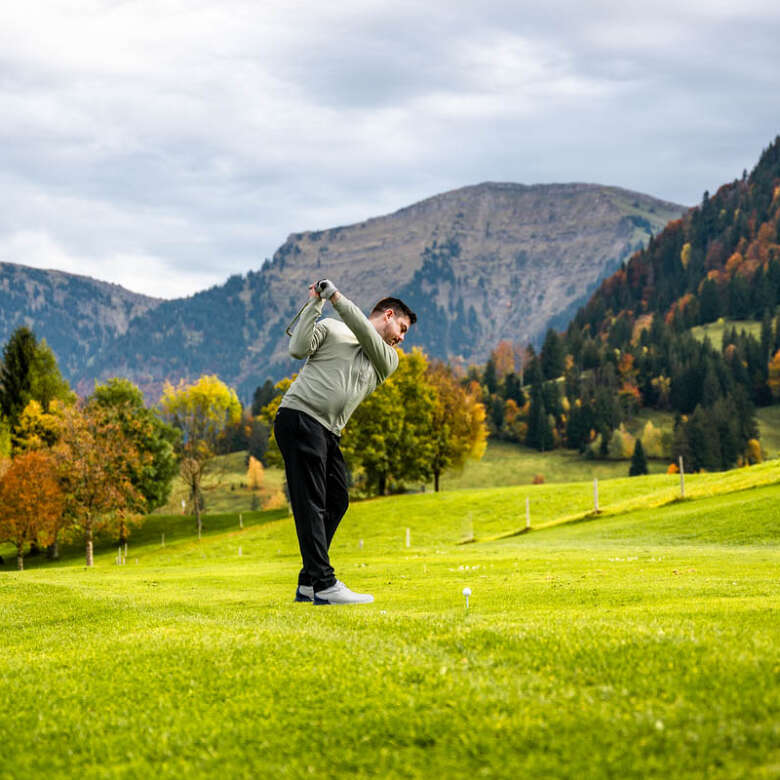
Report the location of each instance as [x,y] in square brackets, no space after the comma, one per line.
[769,427]
[641,643]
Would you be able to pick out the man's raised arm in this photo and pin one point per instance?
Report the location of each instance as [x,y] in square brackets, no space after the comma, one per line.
[307,335]
[382,356]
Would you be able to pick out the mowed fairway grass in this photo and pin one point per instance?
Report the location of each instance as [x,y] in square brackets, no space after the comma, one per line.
[642,642]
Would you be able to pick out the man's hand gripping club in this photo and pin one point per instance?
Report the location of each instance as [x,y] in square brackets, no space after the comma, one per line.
[325,289]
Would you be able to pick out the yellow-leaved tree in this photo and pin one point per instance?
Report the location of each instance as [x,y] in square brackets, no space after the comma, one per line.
[201,411]
[254,473]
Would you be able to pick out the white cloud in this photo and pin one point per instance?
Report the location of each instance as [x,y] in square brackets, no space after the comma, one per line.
[192,137]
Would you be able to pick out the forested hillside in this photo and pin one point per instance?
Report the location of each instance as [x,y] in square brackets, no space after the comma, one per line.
[631,347]
[720,259]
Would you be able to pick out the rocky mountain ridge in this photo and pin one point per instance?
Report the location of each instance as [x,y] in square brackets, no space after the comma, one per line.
[479,264]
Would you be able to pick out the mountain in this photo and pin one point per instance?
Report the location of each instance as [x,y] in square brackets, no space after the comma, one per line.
[78,316]
[479,264]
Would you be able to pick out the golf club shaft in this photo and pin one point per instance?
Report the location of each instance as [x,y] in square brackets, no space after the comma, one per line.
[288,329]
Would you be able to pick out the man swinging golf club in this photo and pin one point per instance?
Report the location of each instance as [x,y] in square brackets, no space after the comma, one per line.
[345,361]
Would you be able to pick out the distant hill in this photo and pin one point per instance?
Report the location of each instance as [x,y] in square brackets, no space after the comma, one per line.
[78,316]
[478,264]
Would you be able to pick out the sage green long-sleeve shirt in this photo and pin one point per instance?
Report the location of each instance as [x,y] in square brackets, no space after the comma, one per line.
[346,360]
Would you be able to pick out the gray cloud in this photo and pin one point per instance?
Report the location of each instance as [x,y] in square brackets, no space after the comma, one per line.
[165,148]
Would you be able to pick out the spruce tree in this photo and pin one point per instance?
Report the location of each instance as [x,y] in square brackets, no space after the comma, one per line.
[539,433]
[553,359]
[638,461]
[489,378]
[16,374]
[263,395]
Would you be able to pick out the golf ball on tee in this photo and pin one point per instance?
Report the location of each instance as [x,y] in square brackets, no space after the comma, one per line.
[466,591]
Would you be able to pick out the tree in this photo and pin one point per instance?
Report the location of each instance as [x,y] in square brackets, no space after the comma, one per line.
[267,416]
[200,411]
[15,381]
[254,474]
[153,439]
[390,435]
[258,438]
[38,429]
[553,358]
[31,502]
[539,434]
[490,377]
[513,389]
[459,430]
[774,376]
[504,359]
[263,396]
[96,463]
[29,372]
[638,461]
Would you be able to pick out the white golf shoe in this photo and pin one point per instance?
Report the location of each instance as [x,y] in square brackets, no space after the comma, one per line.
[304,593]
[341,594]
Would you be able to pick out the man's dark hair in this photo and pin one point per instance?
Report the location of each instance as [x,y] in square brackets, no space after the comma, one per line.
[398,307]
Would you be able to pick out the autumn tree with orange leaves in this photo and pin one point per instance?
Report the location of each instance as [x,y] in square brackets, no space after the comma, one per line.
[97,462]
[31,502]
[458,430]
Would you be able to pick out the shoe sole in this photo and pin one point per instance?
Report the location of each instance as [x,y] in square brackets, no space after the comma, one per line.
[318,602]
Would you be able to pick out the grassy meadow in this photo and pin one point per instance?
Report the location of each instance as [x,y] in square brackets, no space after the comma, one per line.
[639,642]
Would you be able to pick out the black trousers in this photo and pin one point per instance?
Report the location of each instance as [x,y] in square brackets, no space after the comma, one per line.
[317,483]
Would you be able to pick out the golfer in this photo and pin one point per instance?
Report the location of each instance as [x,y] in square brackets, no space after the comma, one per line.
[345,361]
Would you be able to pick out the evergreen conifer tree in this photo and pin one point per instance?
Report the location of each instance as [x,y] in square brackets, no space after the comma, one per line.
[638,461]
[553,362]
[539,433]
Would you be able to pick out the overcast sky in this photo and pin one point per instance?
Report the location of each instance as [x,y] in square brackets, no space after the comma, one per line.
[167,145]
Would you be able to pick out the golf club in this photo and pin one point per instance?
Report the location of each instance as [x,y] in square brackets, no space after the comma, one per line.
[288,329]
[318,290]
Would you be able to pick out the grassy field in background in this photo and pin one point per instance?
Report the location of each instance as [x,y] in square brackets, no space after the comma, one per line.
[714,330]
[225,488]
[504,464]
[639,643]
[769,426]
[507,464]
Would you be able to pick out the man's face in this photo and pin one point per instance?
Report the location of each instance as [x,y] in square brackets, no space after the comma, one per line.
[394,327]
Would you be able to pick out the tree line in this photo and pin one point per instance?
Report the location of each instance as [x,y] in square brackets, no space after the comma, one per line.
[579,391]
[631,347]
[73,468]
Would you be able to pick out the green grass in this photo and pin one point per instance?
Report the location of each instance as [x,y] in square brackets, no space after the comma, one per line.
[225,489]
[715,330]
[769,426]
[640,643]
[506,464]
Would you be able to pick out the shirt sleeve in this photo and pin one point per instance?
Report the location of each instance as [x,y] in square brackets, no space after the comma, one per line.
[308,334]
[383,357]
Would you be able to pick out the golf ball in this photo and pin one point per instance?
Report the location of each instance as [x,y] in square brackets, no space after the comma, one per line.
[466,591]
